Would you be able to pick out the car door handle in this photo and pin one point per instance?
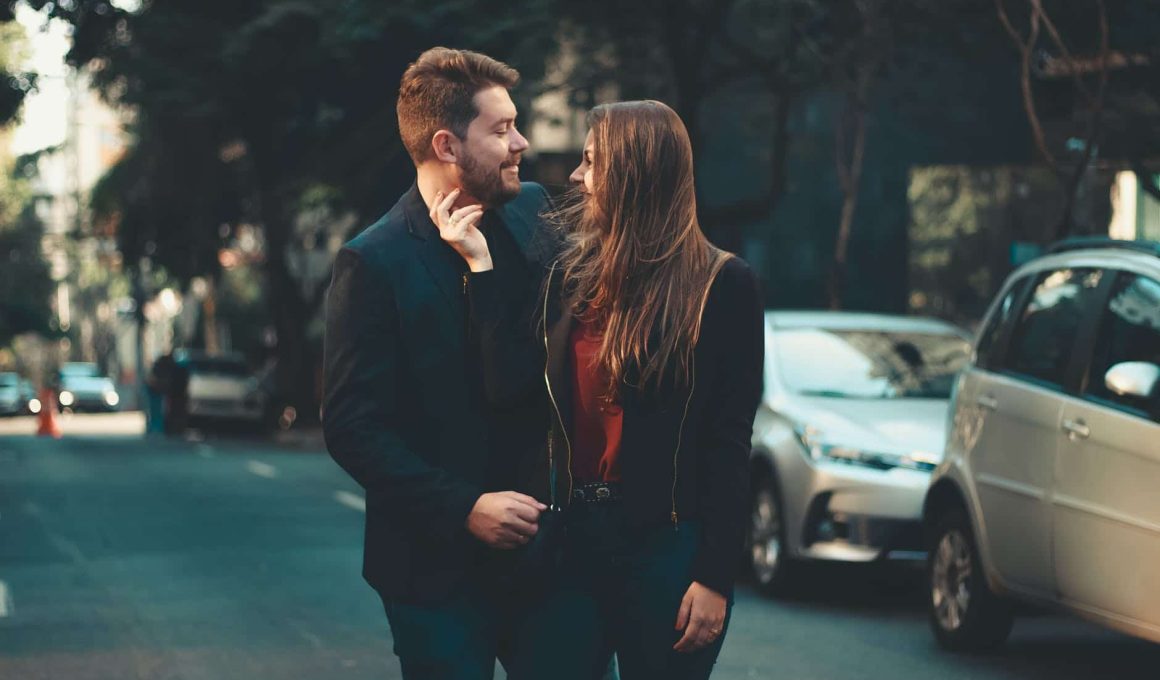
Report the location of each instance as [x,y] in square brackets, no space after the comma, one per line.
[1076,429]
[988,402]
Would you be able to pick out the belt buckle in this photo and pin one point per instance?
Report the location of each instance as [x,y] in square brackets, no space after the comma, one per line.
[603,492]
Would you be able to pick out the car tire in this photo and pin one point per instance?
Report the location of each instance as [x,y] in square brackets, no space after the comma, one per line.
[965,615]
[767,558]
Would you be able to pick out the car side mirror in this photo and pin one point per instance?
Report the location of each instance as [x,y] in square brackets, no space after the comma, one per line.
[1133,379]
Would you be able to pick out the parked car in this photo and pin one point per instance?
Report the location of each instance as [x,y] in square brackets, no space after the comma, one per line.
[16,396]
[221,389]
[851,425]
[1050,491]
[84,388]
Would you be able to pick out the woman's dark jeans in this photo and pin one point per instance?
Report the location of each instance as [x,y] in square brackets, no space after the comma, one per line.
[618,592]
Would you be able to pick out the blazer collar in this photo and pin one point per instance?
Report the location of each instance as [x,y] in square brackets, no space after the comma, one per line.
[530,235]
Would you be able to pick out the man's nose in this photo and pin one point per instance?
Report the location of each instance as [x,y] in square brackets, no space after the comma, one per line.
[519,142]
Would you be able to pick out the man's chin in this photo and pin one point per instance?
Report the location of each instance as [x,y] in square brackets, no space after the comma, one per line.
[508,191]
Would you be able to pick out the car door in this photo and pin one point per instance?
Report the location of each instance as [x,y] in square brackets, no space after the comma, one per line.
[1016,405]
[1107,497]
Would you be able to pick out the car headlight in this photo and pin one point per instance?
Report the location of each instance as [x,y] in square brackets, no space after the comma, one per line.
[67,398]
[818,449]
[34,406]
[111,398]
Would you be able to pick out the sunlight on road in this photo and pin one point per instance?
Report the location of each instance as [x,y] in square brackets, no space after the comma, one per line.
[114,424]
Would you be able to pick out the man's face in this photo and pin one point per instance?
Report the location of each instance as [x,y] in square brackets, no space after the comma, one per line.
[489,165]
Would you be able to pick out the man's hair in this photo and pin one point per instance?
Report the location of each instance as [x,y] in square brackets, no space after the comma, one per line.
[438,93]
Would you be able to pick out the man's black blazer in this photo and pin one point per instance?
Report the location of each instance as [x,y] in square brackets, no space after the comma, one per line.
[403,410]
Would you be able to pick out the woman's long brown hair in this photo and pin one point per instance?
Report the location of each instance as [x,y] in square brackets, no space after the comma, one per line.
[635,261]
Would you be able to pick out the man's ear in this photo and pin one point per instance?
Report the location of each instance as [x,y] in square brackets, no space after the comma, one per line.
[446,146]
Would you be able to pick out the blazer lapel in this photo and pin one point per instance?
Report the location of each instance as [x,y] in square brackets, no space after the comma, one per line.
[442,263]
[530,233]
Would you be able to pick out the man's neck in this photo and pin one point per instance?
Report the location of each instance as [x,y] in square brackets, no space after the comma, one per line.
[432,180]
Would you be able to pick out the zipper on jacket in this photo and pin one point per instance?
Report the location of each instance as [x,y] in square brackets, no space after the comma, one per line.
[465,283]
[555,407]
[681,432]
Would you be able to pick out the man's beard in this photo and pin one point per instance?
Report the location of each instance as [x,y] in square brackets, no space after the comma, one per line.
[486,185]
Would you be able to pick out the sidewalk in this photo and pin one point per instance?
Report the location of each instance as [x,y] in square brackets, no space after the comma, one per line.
[121,424]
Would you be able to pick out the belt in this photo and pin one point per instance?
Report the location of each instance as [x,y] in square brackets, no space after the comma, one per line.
[596,492]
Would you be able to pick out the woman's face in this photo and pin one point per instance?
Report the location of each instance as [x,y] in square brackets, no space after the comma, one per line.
[582,175]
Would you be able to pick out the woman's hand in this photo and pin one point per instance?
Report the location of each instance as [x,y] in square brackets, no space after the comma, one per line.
[460,229]
[702,617]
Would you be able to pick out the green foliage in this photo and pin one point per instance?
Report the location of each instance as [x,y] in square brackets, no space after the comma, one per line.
[25,284]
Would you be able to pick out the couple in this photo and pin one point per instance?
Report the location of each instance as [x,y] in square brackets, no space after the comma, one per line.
[494,364]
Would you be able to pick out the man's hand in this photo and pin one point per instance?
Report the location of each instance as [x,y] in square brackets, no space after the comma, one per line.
[505,519]
[460,229]
[702,617]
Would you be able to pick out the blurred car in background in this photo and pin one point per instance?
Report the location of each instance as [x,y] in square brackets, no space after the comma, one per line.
[1050,492]
[17,396]
[851,425]
[82,387]
[221,389]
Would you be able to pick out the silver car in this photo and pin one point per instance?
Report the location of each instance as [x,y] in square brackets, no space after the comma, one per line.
[852,423]
[1050,491]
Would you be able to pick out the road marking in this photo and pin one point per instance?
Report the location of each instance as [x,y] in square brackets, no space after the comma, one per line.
[5,600]
[351,500]
[262,469]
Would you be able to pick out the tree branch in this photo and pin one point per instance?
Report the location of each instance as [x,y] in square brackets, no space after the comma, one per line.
[1025,77]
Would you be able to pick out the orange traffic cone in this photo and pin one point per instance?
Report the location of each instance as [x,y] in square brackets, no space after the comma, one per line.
[46,421]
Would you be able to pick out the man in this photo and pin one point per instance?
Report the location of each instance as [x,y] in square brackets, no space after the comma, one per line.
[403,410]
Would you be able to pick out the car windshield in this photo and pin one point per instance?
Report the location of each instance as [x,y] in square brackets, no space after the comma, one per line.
[83,370]
[236,369]
[870,364]
[8,380]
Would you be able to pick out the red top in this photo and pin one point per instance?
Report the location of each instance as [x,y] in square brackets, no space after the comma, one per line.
[598,424]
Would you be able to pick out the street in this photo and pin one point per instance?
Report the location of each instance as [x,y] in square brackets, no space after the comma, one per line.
[129,557]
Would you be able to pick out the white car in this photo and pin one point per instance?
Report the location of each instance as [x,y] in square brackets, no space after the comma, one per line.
[222,388]
[1050,491]
[16,397]
[851,425]
[83,388]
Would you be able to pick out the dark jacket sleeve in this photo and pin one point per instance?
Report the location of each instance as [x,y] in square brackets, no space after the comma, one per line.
[734,333]
[505,310]
[361,414]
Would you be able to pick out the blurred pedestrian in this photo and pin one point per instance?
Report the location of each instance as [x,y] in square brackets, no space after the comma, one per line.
[403,408]
[650,342]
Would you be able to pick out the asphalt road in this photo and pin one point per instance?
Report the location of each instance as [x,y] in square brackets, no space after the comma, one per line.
[123,557]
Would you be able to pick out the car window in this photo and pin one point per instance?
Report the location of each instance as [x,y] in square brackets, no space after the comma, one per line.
[1129,331]
[1044,337]
[8,380]
[870,364]
[999,320]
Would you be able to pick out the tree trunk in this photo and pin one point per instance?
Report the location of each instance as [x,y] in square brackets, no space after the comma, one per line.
[850,177]
[295,369]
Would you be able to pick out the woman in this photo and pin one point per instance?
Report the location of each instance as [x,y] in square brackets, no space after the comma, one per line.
[647,352]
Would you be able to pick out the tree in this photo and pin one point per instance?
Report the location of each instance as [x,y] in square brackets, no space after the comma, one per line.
[245,106]
[1105,95]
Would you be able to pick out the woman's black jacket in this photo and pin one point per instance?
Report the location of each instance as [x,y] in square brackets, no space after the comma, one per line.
[684,449]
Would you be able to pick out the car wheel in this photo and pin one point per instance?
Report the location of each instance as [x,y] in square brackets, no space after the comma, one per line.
[964,614]
[769,562]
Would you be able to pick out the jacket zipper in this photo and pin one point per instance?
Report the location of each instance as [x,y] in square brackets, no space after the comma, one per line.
[681,432]
[555,407]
